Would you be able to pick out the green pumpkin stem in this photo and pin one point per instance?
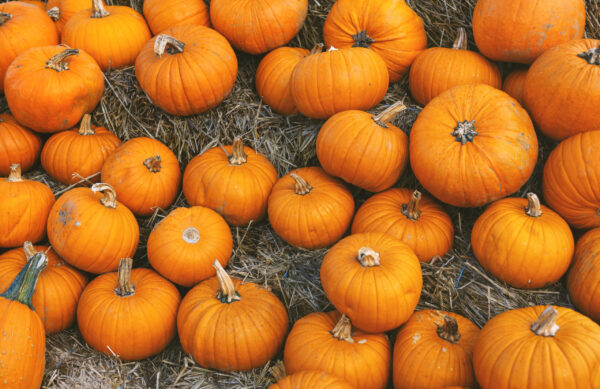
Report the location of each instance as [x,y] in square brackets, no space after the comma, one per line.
[110,196]
[411,210]
[4,17]
[362,39]
[227,293]
[343,329]
[386,116]
[546,325]
[169,44]
[85,128]
[449,330]
[464,131]
[592,56]
[15,173]
[153,163]
[278,371]
[301,187]
[238,156]
[23,286]
[368,257]
[98,10]
[461,39]
[54,13]
[124,286]
[534,208]
[57,62]
[318,48]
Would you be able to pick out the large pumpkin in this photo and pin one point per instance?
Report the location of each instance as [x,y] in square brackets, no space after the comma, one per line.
[513,84]
[62,10]
[471,145]
[17,145]
[163,14]
[583,281]
[313,379]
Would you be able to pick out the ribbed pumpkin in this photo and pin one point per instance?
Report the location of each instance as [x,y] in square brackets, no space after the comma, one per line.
[187,69]
[258,26]
[273,78]
[326,341]
[374,279]
[513,84]
[91,230]
[362,149]
[323,84]
[388,27]
[229,325]
[570,182]
[235,181]
[62,10]
[433,350]
[407,215]
[145,174]
[537,347]
[24,209]
[310,209]
[112,35]
[583,281]
[131,313]
[313,379]
[438,69]
[17,145]
[163,14]
[183,246]
[58,289]
[471,145]
[48,89]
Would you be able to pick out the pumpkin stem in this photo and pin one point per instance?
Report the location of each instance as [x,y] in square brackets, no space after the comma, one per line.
[23,286]
[592,56]
[15,173]
[464,131]
[384,117]
[534,209]
[238,156]
[58,63]
[54,13]
[318,48]
[278,371]
[368,257]
[153,164]
[85,128]
[125,287]
[301,187]
[98,10]
[191,235]
[110,196]
[29,249]
[169,44]
[411,210]
[227,293]
[4,17]
[546,323]
[362,39]
[343,329]
[449,330]
[461,39]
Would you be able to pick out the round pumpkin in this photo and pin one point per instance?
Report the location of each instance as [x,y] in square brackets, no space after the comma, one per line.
[62,10]
[513,84]
[388,27]
[363,149]
[407,215]
[17,145]
[235,181]
[313,379]
[145,174]
[310,209]
[130,314]
[48,89]
[323,84]
[230,325]
[537,347]
[374,279]
[583,281]
[91,230]
[471,145]
[163,14]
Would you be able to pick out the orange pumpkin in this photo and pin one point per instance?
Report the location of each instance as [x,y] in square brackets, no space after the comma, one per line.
[163,14]
[374,279]
[513,84]
[362,149]
[62,10]
[313,379]
[233,180]
[583,281]
[310,209]
[38,3]
[17,145]
[471,145]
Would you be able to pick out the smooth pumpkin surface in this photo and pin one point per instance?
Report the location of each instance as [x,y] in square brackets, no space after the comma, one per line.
[17,145]
[583,281]
[163,14]
[311,380]
[514,83]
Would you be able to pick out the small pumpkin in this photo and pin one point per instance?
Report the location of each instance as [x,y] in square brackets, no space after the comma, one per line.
[61,10]
[17,145]
[513,84]
[374,279]
[163,14]
[583,281]
[130,314]
[312,379]
[229,325]
[310,209]
[235,181]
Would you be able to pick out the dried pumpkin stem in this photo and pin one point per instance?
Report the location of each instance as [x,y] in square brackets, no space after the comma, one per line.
[110,196]
[301,187]
[169,44]
[461,40]
[546,325]
[343,329]
[464,131]
[278,371]
[15,173]
[58,63]
[85,128]
[386,116]
[153,163]
[592,56]
[318,48]
[54,13]
[449,330]
[98,10]
[227,293]
[362,39]
[124,286]
[29,249]
[4,17]
[23,286]
[191,235]
[411,210]
[534,209]
[238,156]
[368,257]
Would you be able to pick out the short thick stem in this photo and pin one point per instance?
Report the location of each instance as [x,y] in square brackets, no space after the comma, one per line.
[227,293]
[278,371]
[110,196]
[386,116]
[449,330]
[318,48]
[368,257]
[54,13]
[169,44]
[4,17]
[362,39]
[58,63]
[98,10]
[124,286]
[534,208]
[153,163]
[592,56]
[85,128]
[461,40]
[238,156]
[29,249]
[546,325]
[23,286]
[301,187]
[411,209]
[15,173]
[464,132]
[343,329]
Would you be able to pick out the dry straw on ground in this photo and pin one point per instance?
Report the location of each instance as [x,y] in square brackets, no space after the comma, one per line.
[455,282]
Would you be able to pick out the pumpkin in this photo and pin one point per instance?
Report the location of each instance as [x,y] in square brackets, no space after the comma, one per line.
[388,27]
[183,246]
[22,336]
[520,30]
[22,26]
[537,347]
[583,281]
[37,3]
[91,230]
[325,341]
[310,209]
[438,69]
[235,181]
[229,325]
[258,26]
[374,279]
[145,173]
[323,84]
[17,145]
[407,215]
[273,78]
[62,10]
[550,99]
[58,289]
[363,149]
[48,89]
[24,208]
[471,145]
[113,307]
[112,35]
[571,174]
[513,84]
[77,154]
[161,14]
[313,379]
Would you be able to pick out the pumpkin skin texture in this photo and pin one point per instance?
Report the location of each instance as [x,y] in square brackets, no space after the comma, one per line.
[161,14]
[310,209]
[183,246]
[417,220]
[520,30]
[583,281]
[258,26]
[91,230]
[388,27]
[17,145]
[323,84]
[513,84]
[471,145]
[311,380]
[374,279]
[433,350]
[66,9]
[52,98]
[229,325]
[509,354]
[145,173]
[37,3]
[325,341]
[364,150]
[234,181]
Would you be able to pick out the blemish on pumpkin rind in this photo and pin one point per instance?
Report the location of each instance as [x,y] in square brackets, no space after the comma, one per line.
[416,337]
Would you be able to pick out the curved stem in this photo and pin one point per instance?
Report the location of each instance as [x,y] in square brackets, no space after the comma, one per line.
[546,325]
[227,293]
[278,371]
[461,40]
[464,131]
[411,210]
[318,48]
[449,330]
[125,287]
[384,117]
[343,329]
[85,128]
[238,156]
[29,249]
[110,196]
[301,187]
[153,163]
[15,173]
[54,13]
[592,56]
[57,62]
[4,17]
[169,44]
[23,286]
[362,39]
[98,10]
[534,208]
[368,257]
